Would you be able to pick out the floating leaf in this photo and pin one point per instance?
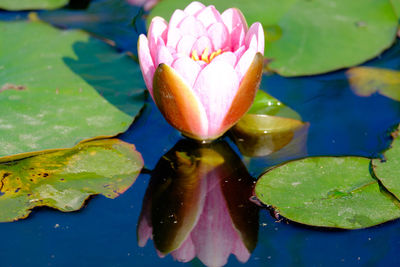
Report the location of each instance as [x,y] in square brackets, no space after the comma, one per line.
[48,80]
[388,171]
[65,179]
[31,4]
[309,37]
[107,19]
[328,191]
[268,126]
[366,81]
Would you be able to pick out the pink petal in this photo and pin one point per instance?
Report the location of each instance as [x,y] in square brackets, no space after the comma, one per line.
[186,252]
[187,68]
[149,4]
[216,86]
[193,8]
[208,16]
[176,18]
[240,251]
[144,230]
[227,57]
[255,38]
[239,53]
[191,26]
[185,45]
[237,26]
[219,36]
[214,235]
[245,62]
[157,29]
[146,62]
[163,56]
[202,43]
[174,35]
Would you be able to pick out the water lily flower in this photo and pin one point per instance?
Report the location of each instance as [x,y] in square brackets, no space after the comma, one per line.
[202,68]
[198,205]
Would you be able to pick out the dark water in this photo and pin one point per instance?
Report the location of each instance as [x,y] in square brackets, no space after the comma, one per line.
[104,232]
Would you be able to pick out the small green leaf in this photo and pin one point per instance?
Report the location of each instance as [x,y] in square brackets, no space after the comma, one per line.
[328,191]
[65,179]
[31,4]
[267,127]
[268,105]
[366,81]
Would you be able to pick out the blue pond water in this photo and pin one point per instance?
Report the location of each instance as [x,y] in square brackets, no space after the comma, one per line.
[104,232]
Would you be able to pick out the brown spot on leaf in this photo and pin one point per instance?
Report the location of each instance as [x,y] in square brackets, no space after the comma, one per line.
[10,86]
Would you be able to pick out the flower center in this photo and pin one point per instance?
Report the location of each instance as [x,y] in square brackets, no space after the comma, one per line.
[205,56]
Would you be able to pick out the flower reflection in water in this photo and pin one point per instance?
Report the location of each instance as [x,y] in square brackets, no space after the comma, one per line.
[198,204]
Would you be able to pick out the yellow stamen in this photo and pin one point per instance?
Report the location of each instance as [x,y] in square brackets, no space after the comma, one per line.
[204,56]
[214,54]
[195,56]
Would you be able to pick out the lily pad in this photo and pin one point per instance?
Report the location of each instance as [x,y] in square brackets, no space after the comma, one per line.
[310,37]
[48,81]
[107,19]
[32,4]
[65,179]
[388,171]
[328,191]
[366,81]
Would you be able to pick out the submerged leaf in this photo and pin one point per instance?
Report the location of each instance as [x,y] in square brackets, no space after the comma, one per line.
[65,179]
[104,18]
[328,191]
[366,81]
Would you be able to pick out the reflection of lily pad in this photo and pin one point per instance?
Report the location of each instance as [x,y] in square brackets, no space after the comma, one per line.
[31,4]
[328,191]
[65,179]
[388,172]
[366,81]
[308,37]
[44,104]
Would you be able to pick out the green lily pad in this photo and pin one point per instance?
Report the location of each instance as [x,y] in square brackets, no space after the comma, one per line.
[328,191]
[65,179]
[48,81]
[310,37]
[388,171]
[366,81]
[31,4]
